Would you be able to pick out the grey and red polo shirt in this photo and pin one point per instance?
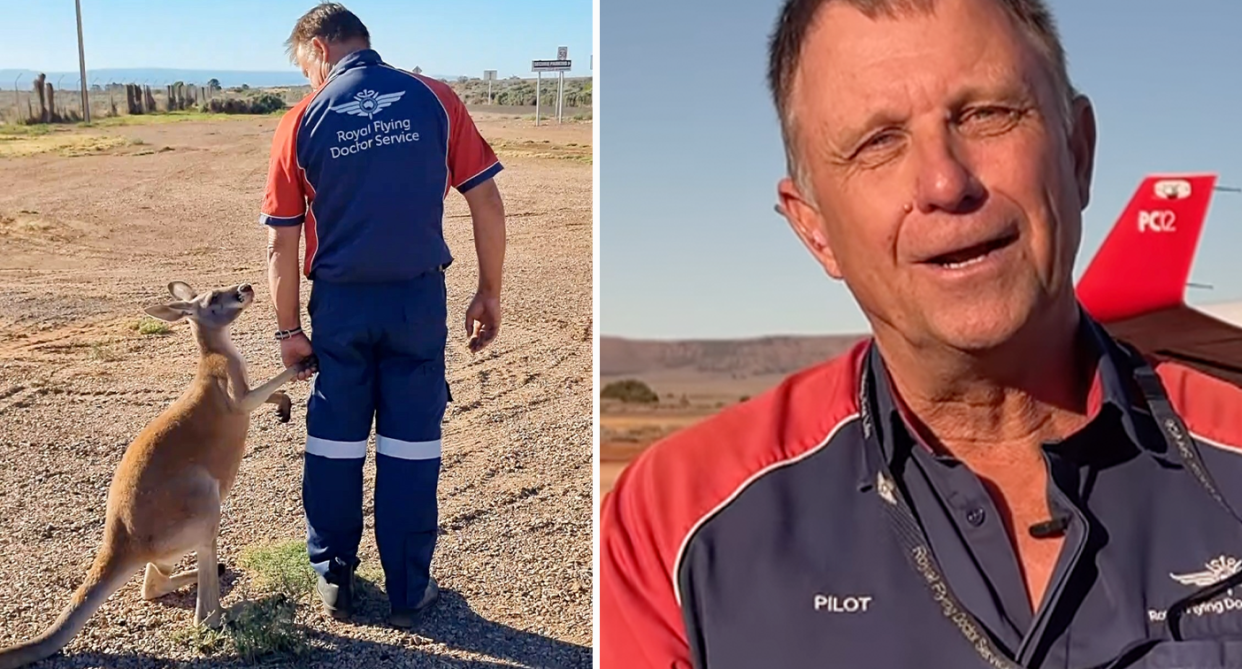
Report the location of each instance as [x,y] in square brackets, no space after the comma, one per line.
[759,537]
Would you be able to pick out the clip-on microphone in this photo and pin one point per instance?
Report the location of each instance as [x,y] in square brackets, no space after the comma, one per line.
[1047,529]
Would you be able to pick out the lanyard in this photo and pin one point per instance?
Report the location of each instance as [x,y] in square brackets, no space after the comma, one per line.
[1177,436]
[917,549]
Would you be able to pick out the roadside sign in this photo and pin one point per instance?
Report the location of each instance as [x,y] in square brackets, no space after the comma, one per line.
[550,65]
[561,65]
[489,76]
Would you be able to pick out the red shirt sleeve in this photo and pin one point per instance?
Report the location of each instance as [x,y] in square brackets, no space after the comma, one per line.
[284,197]
[666,493]
[640,623]
[471,160]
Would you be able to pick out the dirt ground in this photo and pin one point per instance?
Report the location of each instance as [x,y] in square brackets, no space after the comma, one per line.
[91,234]
[627,430]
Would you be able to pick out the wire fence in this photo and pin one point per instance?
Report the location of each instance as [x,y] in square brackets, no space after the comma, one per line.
[58,99]
[42,99]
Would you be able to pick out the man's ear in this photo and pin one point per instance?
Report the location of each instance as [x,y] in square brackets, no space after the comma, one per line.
[807,222]
[320,48]
[171,312]
[1082,146]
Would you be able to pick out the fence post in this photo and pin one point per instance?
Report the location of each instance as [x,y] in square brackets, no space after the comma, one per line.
[51,102]
[38,86]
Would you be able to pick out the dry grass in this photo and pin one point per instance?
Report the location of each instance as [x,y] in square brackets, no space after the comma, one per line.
[151,326]
[165,117]
[279,566]
[67,144]
[251,631]
[543,149]
[627,430]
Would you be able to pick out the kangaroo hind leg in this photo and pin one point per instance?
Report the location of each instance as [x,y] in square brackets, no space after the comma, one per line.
[207,609]
[160,580]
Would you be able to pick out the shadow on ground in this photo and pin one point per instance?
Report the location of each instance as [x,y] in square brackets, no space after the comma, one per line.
[451,623]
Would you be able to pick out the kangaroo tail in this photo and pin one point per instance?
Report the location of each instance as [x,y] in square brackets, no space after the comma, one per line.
[105,577]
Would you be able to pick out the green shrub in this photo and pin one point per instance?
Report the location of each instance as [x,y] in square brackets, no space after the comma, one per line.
[263,103]
[630,390]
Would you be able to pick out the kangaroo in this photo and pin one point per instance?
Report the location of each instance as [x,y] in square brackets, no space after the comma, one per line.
[164,501]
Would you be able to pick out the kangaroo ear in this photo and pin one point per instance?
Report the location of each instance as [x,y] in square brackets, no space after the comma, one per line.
[171,312]
[181,290]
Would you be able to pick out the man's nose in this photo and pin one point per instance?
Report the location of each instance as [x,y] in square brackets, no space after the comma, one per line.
[946,181]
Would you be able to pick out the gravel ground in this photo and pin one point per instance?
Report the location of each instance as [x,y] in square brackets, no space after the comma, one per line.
[86,242]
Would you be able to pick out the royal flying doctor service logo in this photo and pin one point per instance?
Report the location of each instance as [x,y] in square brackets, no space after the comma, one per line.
[368,103]
[1217,570]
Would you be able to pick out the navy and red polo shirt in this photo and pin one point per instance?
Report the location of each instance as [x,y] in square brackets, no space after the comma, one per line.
[365,162]
[758,537]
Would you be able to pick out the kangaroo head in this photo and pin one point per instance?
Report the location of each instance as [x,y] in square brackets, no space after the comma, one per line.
[212,310]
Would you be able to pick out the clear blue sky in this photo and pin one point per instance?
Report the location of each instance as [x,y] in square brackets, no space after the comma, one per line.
[690,155]
[451,38]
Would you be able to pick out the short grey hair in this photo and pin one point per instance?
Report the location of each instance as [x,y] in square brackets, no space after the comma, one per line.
[797,17]
[330,22]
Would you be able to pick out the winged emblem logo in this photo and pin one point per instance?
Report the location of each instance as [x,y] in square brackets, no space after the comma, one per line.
[1217,570]
[368,103]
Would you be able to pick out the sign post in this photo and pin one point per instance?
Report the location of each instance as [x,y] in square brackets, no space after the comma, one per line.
[489,76]
[562,53]
[561,66]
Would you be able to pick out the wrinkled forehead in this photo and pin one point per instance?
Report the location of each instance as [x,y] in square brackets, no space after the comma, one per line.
[854,65]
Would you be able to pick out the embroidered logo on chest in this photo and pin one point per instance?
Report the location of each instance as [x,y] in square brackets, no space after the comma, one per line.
[1215,571]
[368,103]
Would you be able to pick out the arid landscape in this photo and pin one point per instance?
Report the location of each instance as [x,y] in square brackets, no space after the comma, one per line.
[94,223]
[651,389]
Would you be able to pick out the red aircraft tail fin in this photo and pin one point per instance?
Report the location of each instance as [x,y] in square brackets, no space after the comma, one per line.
[1144,263]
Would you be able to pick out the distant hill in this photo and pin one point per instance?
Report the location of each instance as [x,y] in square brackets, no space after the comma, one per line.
[716,367]
[155,76]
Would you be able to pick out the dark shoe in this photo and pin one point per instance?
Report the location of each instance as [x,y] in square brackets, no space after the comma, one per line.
[407,618]
[337,591]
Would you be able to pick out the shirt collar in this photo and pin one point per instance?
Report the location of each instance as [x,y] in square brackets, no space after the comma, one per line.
[1113,397]
[356,59]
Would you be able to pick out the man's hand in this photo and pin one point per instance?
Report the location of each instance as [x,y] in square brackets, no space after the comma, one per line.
[294,350]
[482,321]
[487,213]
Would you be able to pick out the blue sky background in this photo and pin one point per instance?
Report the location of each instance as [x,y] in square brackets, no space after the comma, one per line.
[449,38]
[690,155]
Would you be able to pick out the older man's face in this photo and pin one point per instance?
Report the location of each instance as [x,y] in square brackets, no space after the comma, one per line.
[945,186]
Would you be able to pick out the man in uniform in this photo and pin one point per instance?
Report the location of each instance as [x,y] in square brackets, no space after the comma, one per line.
[989,481]
[360,168]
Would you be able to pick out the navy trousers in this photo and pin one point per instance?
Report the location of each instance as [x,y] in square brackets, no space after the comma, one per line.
[381,359]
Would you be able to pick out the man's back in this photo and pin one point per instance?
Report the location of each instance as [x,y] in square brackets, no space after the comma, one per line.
[375,151]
